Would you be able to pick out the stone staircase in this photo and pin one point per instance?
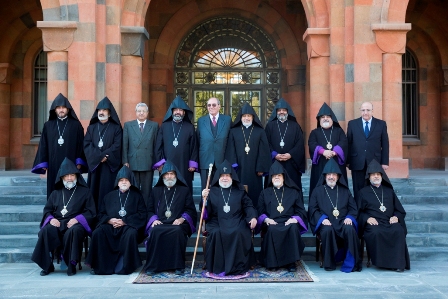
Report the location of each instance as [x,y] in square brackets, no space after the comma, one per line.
[424,198]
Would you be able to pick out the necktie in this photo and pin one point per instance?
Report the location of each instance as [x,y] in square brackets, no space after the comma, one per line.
[141,127]
[366,129]
[214,121]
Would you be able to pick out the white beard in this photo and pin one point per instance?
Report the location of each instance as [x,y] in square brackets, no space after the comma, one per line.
[277,184]
[170,183]
[247,124]
[326,125]
[331,184]
[69,185]
[103,117]
[225,185]
[376,183]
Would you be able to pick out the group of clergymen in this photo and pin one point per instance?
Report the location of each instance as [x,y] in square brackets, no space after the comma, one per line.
[119,208]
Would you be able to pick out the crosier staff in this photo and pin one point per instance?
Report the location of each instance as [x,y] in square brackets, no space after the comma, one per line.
[202,217]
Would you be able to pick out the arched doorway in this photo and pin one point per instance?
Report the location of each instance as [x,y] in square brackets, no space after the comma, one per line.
[230,59]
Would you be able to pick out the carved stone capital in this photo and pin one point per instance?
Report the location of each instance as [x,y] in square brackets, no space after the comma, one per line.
[6,70]
[318,42]
[445,74]
[57,35]
[391,38]
[133,40]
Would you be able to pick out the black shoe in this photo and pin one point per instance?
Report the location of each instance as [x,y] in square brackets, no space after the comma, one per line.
[150,273]
[71,270]
[179,272]
[292,267]
[399,270]
[329,269]
[46,272]
[92,271]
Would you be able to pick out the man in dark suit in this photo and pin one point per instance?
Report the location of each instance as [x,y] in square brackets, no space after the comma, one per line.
[139,138]
[212,131]
[367,140]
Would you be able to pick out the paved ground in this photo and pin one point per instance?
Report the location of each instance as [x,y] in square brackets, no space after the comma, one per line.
[424,280]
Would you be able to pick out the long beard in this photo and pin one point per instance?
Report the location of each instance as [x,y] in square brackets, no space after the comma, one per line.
[331,184]
[103,117]
[277,184]
[225,185]
[69,185]
[247,124]
[169,182]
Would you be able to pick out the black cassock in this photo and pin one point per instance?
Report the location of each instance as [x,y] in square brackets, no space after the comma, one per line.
[102,175]
[66,241]
[50,153]
[166,244]
[115,250]
[257,160]
[293,144]
[317,141]
[320,208]
[229,239]
[385,242]
[282,244]
[185,154]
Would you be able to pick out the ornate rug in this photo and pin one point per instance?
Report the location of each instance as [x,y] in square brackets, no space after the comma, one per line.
[259,274]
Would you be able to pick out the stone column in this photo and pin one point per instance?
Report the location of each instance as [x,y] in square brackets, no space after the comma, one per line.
[57,36]
[391,39]
[318,50]
[132,50]
[6,70]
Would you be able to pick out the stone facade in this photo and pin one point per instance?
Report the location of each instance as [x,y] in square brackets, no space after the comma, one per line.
[343,52]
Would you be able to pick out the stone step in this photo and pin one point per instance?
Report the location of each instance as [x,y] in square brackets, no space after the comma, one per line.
[427,199]
[12,228]
[428,254]
[18,241]
[23,190]
[23,200]
[426,213]
[427,240]
[427,227]
[25,213]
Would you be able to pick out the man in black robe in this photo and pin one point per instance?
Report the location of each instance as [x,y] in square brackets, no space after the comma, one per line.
[102,146]
[332,216]
[282,220]
[62,136]
[327,141]
[176,141]
[248,151]
[230,216]
[68,217]
[114,245]
[286,141]
[381,221]
[172,219]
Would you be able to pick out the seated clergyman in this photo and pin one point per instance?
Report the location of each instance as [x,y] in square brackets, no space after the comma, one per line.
[332,213]
[381,221]
[172,219]
[282,220]
[68,217]
[230,217]
[122,213]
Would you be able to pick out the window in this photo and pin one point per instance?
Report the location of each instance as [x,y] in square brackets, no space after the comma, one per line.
[40,115]
[410,95]
[229,59]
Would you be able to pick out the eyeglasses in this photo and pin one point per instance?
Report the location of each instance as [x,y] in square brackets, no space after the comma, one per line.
[142,111]
[366,110]
[212,105]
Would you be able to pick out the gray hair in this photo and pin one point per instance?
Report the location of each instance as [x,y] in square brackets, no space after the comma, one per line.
[141,105]
[217,100]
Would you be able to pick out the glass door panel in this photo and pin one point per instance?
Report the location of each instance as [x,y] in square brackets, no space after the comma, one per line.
[200,101]
[239,97]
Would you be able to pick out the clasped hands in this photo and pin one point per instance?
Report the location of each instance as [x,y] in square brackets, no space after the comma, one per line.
[57,223]
[178,221]
[283,157]
[270,221]
[329,154]
[116,223]
[373,221]
[347,221]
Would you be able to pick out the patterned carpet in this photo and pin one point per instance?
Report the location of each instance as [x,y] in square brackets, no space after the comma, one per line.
[259,274]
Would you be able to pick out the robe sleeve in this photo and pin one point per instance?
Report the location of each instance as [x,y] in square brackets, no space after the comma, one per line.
[299,212]
[49,208]
[151,209]
[158,149]
[231,155]
[81,157]
[194,151]
[399,212]
[125,147]
[313,147]
[262,212]
[42,159]
[297,152]
[93,154]
[190,213]
[314,213]
[137,220]
[264,162]
[362,215]
[248,207]
[114,151]
[103,217]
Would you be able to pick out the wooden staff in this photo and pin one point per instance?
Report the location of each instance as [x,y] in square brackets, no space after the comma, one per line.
[202,216]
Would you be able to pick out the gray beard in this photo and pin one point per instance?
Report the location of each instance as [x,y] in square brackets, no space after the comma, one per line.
[379,183]
[69,185]
[331,184]
[177,118]
[103,117]
[282,118]
[222,185]
[247,125]
[326,125]
[277,184]
[170,183]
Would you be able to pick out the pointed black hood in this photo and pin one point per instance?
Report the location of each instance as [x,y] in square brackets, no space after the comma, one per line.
[282,104]
[224,168]
[375,166]
[247,109]
[126,173]
[167,167]
[61,100]
[326,110]
[332,167]
[178,102]
[68,167]
[277,168]
[106,104]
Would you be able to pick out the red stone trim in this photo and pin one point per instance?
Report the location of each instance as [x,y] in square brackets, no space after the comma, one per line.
[391,38]
[57,35]
[318,42]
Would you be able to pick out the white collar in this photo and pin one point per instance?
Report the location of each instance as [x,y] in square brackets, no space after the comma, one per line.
[216,117]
